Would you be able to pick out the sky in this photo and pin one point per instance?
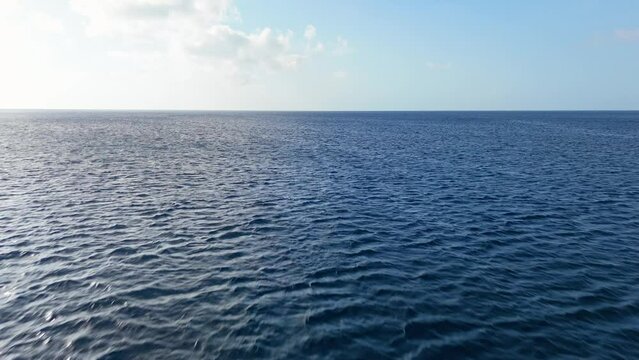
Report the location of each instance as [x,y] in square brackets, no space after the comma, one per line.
[319,55]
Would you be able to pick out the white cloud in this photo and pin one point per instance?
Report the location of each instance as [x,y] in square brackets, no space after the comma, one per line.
[10,7]
[261,48]
[627,34]
[341,46]
[140,17]
[195,28]
[46,23]
[17,20]
[312,46]
[310,32]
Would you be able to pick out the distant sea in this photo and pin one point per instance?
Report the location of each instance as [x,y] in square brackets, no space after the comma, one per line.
[333,235]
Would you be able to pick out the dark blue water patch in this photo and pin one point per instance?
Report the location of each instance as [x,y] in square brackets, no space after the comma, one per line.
[319,235]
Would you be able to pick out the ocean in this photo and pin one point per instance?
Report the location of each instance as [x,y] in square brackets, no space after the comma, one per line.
[319,235]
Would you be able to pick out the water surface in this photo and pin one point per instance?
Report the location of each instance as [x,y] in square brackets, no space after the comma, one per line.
[319,235]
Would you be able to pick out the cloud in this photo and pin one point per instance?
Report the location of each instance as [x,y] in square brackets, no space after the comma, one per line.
[630,35]
[312,46]
[264,48]
[16,19]
[200,29]
[341,47]
[46,23]
[310,32]
[139,17]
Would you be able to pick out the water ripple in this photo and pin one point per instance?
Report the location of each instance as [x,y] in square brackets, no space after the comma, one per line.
[319,235]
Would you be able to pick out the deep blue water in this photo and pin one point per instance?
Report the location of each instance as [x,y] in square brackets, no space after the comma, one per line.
[319,235]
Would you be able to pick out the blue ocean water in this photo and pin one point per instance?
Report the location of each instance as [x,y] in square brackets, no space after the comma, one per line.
[443,235]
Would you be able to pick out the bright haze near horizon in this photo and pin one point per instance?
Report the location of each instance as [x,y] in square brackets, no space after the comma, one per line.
[312,55]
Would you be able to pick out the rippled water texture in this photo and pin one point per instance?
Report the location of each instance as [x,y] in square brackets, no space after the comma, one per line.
[319,235]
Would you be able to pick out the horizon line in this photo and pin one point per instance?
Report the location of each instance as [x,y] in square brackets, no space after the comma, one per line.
[311,110]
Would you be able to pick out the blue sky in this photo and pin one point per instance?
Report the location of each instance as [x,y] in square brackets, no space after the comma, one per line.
[320,55]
